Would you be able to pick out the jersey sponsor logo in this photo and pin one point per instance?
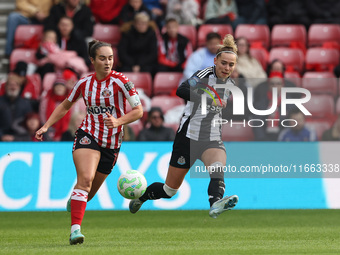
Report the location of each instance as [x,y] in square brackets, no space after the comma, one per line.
[181,160]
[214,109]
[85,141]
[100,109]
[106,93]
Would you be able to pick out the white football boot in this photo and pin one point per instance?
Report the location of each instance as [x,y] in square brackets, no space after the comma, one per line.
[222,205]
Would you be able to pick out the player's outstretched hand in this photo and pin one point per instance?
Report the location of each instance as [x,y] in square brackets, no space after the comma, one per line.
[223,105]
[110,121]
[40,132]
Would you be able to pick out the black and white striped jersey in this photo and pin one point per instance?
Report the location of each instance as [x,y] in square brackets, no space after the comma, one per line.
[197,125]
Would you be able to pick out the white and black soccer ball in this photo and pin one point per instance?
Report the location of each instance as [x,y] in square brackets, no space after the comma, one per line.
[131,184]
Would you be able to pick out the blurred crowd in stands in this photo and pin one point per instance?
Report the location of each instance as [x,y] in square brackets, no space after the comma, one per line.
[159,43]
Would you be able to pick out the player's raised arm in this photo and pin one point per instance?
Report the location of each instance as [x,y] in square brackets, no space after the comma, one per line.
[189,90]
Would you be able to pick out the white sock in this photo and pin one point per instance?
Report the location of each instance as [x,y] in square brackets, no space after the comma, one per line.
[75,227]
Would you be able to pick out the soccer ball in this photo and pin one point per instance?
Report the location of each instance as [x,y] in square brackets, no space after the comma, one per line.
[131,184]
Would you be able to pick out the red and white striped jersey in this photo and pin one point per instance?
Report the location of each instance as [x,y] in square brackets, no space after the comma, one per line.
[107,95]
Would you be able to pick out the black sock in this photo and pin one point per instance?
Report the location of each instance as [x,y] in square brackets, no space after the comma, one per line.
[153,192]
[215,190]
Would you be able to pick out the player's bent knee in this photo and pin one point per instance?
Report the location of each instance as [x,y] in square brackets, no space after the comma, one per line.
[216,170]
[169,191]
[84,184]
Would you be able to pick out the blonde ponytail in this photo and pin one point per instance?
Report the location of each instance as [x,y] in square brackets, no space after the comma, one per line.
[229,45]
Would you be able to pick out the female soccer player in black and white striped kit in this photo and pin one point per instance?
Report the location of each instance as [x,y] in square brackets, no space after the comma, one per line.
[197,137]
[99,137]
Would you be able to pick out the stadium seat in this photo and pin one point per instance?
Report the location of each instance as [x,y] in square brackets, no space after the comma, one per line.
[292,58]
[320,82]
[293,77]
[48,81]
[207,28]
[337,107]
[261,55]
[107,33]
[319,127]
[318,34]
[319,59]
[115,57]
[255,34]
[141,80]
[24,34]
[237,132]
[166,82]
[27,55]
[136,126]
[189,31]
[166,102]
[285,35]
[35,80]
[321,107]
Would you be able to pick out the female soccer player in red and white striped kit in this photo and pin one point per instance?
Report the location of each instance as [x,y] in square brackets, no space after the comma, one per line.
[98,139]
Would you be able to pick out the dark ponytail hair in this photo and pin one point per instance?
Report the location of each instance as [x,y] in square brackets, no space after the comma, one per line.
[94,45]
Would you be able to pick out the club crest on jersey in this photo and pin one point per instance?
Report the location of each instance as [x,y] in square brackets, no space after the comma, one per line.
[106,93]
[193,81]
[85,141]
[181,160]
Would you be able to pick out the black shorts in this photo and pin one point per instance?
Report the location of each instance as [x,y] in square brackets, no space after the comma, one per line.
[108,157]
[186,151]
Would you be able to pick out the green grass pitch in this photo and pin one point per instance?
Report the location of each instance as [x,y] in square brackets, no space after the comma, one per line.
[174,232]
